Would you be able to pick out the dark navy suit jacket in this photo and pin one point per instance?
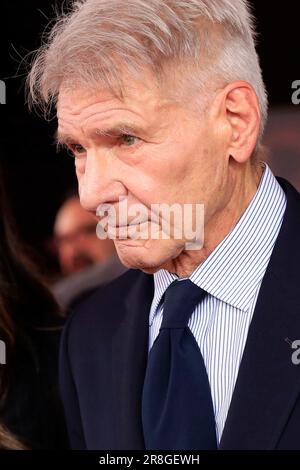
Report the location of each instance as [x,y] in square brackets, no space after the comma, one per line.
[104,355]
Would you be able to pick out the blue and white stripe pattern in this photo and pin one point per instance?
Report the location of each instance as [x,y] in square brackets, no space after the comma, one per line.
[232,277]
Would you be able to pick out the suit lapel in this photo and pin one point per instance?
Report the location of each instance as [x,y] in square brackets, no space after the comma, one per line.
[268,382]
[130,351]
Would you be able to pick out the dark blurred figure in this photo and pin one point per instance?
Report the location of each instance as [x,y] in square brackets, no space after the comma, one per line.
[282,140]
[86,261]
[30,410]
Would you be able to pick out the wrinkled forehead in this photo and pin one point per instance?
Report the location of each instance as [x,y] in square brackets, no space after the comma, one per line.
[81,109]
[127,86]
[141,88]
[72,100]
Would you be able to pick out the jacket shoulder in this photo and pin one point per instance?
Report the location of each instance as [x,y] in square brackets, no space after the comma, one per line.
[98,315]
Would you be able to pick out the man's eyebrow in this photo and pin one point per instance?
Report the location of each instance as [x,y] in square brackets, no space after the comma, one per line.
[119,128]
[62,139]
[111,131]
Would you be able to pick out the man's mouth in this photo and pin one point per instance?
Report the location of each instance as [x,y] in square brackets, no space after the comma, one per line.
[129,231]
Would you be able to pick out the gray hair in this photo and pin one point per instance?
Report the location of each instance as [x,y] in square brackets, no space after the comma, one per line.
[213,41]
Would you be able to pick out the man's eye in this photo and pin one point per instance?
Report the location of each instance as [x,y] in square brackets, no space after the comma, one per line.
[128,140]
[77,149]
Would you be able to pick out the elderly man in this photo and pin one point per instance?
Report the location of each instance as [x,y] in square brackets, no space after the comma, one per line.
[163,102]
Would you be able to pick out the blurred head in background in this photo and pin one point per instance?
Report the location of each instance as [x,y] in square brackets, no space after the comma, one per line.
[78,246]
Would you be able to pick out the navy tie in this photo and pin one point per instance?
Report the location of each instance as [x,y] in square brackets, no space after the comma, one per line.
[177,409]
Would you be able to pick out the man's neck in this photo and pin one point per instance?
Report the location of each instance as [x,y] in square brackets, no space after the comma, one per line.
[220,224]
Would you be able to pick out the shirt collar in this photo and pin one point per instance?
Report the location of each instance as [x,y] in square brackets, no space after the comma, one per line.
[236,267]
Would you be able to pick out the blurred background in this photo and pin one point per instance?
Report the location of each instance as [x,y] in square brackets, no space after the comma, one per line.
[39,180]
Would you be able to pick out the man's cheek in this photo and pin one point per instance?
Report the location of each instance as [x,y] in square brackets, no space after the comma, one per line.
[79,166]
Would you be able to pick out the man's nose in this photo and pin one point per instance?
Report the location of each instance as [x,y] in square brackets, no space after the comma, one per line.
[98,185]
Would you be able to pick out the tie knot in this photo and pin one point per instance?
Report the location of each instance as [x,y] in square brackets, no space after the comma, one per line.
[180,301]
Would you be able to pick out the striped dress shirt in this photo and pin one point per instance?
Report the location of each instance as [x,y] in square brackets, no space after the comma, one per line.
[232,277]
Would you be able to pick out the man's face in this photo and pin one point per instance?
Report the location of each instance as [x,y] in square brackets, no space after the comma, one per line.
[163,154]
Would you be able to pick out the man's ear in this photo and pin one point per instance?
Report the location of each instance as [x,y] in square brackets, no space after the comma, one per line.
[241,110]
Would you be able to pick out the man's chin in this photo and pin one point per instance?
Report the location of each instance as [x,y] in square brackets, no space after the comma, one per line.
[148,256]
